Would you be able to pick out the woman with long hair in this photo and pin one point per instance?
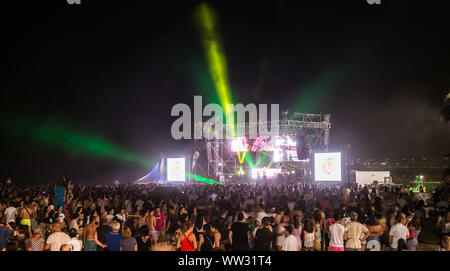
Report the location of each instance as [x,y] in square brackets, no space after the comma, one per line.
[402,245]
[297,229]
[144,239]
[319,226]
[414,228]
[328,221]
[309,234]
[207,240]
[187,240]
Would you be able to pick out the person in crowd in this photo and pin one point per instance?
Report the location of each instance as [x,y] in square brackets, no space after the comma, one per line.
[443,224]
[65,247]
[113,237]
[11,213]
[102,231]
[297,229]
[264,236]
[172,220]
[128,242]
[414,228]
[25,216]
[290,242]
[5,232]
[75,244]
[327,222]
[397,232]
[353,232]
[187,240]
[74,224]
[336,234]
[239,234]
[309,235]
[233,216]
[160,225]
[144,239]
[445,244]
[401,245]
[36,242]
[151,224]
[57,238]
[110,215]
[208,240]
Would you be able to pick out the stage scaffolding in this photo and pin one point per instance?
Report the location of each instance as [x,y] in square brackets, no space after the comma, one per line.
[216,160]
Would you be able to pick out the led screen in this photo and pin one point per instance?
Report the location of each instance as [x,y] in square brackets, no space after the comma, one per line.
[176,169]
[327,166]
[239,144]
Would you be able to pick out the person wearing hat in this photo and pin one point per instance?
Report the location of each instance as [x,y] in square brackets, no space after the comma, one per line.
[353,232]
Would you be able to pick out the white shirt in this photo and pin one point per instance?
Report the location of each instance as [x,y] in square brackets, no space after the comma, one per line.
[398,231]
[57,239]
[121,217]
[337,235]
[75,244]
[261,215]
[11,213]
[290,243]
[109,218]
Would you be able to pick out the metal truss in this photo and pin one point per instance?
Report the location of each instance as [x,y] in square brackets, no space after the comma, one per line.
[217,159]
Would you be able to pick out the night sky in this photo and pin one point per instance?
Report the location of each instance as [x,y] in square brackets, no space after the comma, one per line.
[114,69]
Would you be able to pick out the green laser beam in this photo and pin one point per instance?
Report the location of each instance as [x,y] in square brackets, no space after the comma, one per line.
[217,64]
[202,179]
[249,160]
[262,159]
[56,135]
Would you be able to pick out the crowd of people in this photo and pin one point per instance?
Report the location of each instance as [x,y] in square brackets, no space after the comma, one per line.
[294,216]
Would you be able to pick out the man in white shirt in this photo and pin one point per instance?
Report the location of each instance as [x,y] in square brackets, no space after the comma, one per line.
[11,214]
[336,234]
[290,243]
[57,238]
[75,244]
[261,213]
[397,232]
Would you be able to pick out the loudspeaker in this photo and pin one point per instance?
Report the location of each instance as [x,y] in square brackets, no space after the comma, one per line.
[302,147]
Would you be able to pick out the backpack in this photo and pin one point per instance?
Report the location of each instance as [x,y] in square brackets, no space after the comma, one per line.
[412,233]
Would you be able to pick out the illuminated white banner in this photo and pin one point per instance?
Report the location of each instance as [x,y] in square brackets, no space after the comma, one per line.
[327,166]
[176,169]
